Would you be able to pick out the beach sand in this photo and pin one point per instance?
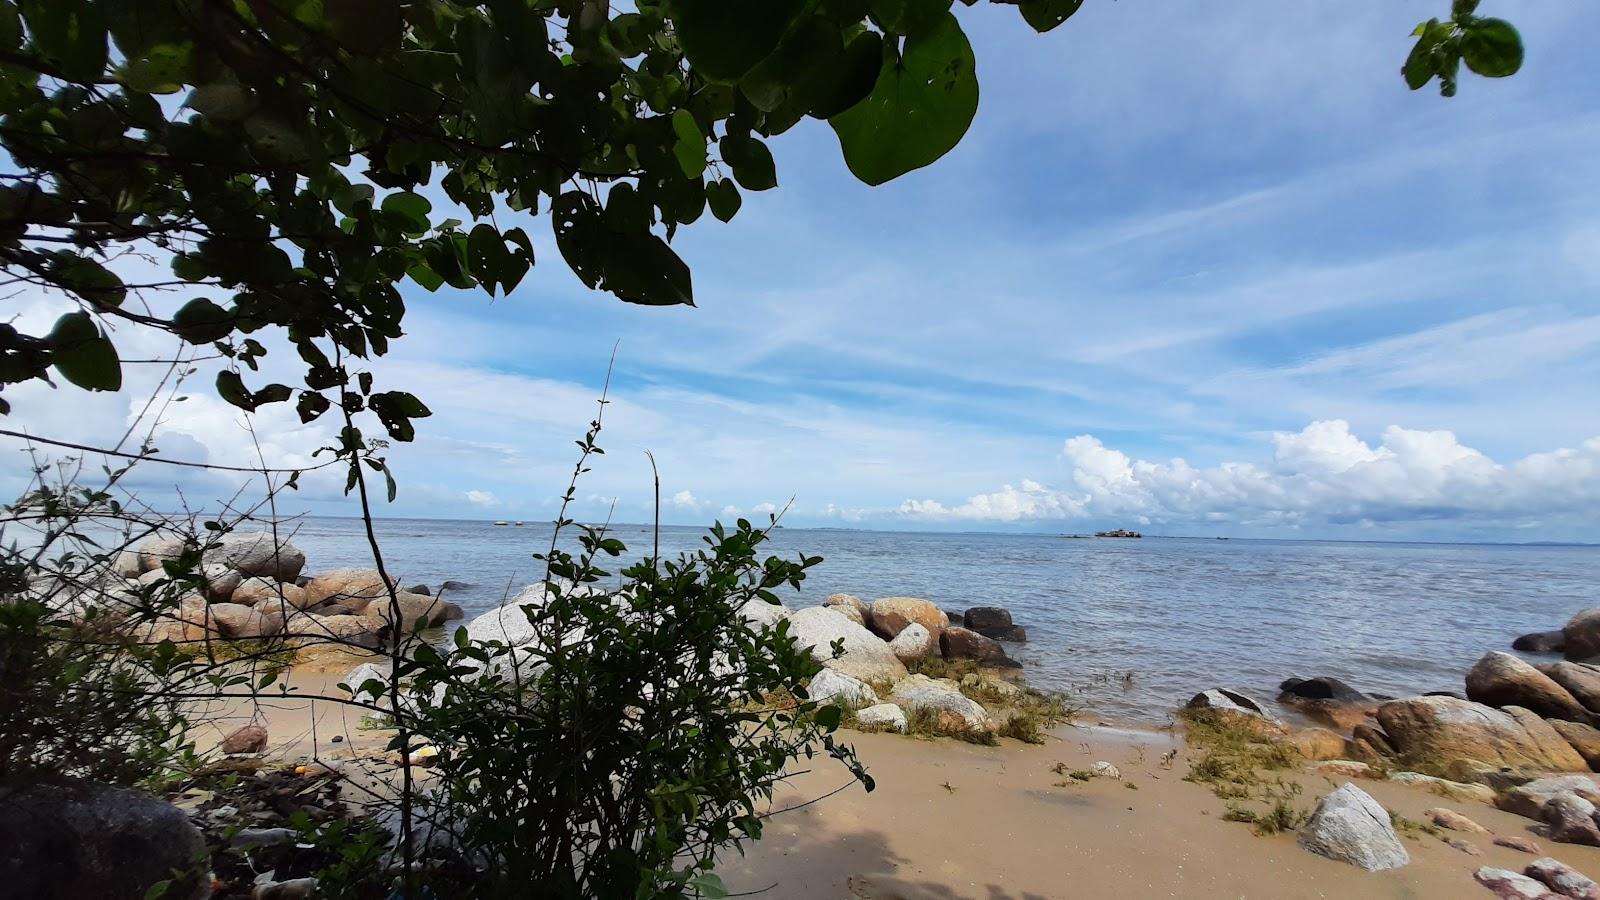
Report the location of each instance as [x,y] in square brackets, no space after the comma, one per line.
[956,820]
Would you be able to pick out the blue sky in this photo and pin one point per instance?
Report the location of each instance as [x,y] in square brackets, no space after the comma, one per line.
[1196,268]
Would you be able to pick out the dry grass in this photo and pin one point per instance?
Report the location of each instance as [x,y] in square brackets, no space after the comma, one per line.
[1234,753]
[1279,817]
[1413,829]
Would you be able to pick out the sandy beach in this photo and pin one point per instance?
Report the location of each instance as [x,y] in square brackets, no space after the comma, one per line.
[956,820]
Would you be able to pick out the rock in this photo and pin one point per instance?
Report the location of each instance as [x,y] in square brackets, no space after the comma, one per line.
[1103,769]
[852,601]
[1011,634]
[1454,821]
[761,614]
[1541,642]
[884,715]
[890,615]
[254,590]
[81,840]
[1370,744]
[344,585]
[919,693]
[849,612]
[1349,826]
[962,643]
[839,689]
[1563,879]
[414,608]
[1581,680]
[127,564]
[913,643]
[451,585]
[1528,800]
[293,889]
[1317,744]
[1510,885]
[1584,738]
[1519,843]
[220,582]
[980,617]
[355,631]
[157,550]
[865,656]
[1005,691]
[333,609]
[1328,700]
[1443,729]
[238,622]
[255,838]
[1344,768]
[422,589]
[250,738]
[1500,679]
[1455,790]
[1464,846]
[363,673]
[258,553]
[509,625]
[1570,820]
[953,618]
[1582,635]
[1242,709]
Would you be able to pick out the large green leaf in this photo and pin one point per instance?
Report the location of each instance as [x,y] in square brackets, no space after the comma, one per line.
[751,161]
[919,109]
[1044,15]
[689,145]
[724,39]
[200,322]
[83,355]
[1492,48]
[72,33]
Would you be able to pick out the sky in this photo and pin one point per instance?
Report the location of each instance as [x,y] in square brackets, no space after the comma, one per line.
[1195,269]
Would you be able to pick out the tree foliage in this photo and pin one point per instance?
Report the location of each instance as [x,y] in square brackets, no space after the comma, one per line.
[279,155]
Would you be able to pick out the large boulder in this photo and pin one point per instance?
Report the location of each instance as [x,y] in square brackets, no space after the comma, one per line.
[1509,885]
[1014,634]
[890,615]
[1500,679]
[759,613]
[1541,642]
[913,643]
[885,715]
[839,689]
[1581,680]
[852,613]
[852,601]
[305,629]
[865,656]
[1563,879]
[1584,738]
[1327,700]
[258,553]
[1318,744]
[1349,826]
[1569,819]
[344,585]
[1529,799]
[157,550]
[256,589]
[127,564]
[980,617]
[79,840]
[956,711]
[240,622]
[1444,730]
[964,643]
[414,608]
[220,581]
[1581,635]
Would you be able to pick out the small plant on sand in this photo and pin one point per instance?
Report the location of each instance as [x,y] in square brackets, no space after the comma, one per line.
[1073,777]
[949,787]
[939,667]
[926,723]
[1280,817]
[1234,752]
[1025,726]
[1413,829]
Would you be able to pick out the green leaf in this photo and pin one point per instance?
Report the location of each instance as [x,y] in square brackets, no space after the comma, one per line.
[412,209]
[83,355]
[88,279]
[723,198]
[311,405]
[690,145]
[163,70]
[919,109]
[751,161]
[200,322]
[724,39]
[828,717]
[72,33]
[709,885]
[226,102]
[231,388]
[1044,15]
[906,16]
[851,80]
[1492,48]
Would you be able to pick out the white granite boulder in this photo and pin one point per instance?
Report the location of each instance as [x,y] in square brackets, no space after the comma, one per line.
[1351,827]
[913,643]
[865,656]
[839,689]
[884,715]
[956,711]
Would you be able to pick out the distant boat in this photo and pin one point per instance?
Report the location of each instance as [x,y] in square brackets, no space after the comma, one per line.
[502,523]
[518,524]
[1118,533]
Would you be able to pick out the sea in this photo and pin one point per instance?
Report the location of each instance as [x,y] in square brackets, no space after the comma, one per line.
[1131,628]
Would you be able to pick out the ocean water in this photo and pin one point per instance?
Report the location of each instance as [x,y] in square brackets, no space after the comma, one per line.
[1133,627]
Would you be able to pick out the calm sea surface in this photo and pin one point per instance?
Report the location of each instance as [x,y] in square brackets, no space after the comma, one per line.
[1179,614]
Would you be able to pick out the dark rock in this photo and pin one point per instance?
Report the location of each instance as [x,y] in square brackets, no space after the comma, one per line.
[1002,662]
[1322,688]
[422,589]
[962,643]
[980,617]
[954,617]
[250,738]
[1570,820]
[1328,700]
[455,586]
[78,840]
[302,580]
[1015,634]
[1222,698]
[1541,642]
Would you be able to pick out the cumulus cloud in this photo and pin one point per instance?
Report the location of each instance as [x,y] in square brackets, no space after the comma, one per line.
[480,498]
[1323,474]
[686,500]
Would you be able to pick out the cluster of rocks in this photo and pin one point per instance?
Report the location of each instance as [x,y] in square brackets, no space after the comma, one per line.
[881,638]
[250,586]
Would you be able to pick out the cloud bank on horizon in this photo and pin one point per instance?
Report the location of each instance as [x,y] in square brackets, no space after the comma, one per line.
[1275,295]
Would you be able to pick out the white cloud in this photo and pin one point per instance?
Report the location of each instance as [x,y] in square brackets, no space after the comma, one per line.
[1320,475]
[686,501]
[480,498]
[764,509]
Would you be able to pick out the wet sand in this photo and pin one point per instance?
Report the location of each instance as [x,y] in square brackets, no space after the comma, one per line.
[954,820]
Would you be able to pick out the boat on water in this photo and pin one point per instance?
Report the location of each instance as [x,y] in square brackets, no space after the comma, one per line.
[1118,533]
[502,523]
